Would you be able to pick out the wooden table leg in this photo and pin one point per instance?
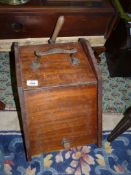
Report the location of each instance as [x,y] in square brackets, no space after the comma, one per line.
[122,126]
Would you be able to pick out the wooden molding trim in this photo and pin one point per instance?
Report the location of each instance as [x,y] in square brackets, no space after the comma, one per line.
[95,41]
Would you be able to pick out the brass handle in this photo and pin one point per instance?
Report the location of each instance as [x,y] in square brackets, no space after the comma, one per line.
[66,143]
[55,51]
[17,27]
[36,63]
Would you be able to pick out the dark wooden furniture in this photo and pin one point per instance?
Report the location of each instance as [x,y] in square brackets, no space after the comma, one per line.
[38,18]
[118,49]
[118,44]
[62,103]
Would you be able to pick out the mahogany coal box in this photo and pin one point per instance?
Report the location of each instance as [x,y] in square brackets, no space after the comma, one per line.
[59,87]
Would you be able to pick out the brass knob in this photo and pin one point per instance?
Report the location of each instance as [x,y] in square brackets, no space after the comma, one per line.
[66,143]
[17,27]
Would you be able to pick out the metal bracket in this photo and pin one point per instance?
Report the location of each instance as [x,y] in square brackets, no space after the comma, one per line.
[66,143]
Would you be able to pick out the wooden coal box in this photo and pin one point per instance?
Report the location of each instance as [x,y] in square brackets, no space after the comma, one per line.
[59,87]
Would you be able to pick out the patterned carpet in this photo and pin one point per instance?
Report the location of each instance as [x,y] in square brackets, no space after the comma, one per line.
[116,91]
[110,159]
[8,90]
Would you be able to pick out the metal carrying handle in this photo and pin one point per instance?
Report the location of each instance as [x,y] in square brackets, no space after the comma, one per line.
[55,51]
[36,63]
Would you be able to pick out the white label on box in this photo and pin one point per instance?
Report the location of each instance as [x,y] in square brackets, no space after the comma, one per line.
[32,82]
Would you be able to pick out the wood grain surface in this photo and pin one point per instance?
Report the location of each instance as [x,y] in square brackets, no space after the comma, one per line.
[34,20]
[60,113]
[56,69]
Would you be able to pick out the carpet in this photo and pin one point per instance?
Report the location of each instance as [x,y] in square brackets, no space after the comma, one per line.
[110,159]
[116,91]
[8,88]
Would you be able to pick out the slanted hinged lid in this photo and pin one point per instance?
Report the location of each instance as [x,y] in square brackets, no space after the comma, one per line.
[56,65]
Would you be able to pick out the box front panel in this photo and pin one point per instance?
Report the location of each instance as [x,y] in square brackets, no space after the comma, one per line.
[61,114]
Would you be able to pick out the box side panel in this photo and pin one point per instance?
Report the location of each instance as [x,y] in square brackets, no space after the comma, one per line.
[91,58]
[22,115]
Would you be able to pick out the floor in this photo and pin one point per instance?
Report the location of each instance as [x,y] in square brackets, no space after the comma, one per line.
[10,120]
